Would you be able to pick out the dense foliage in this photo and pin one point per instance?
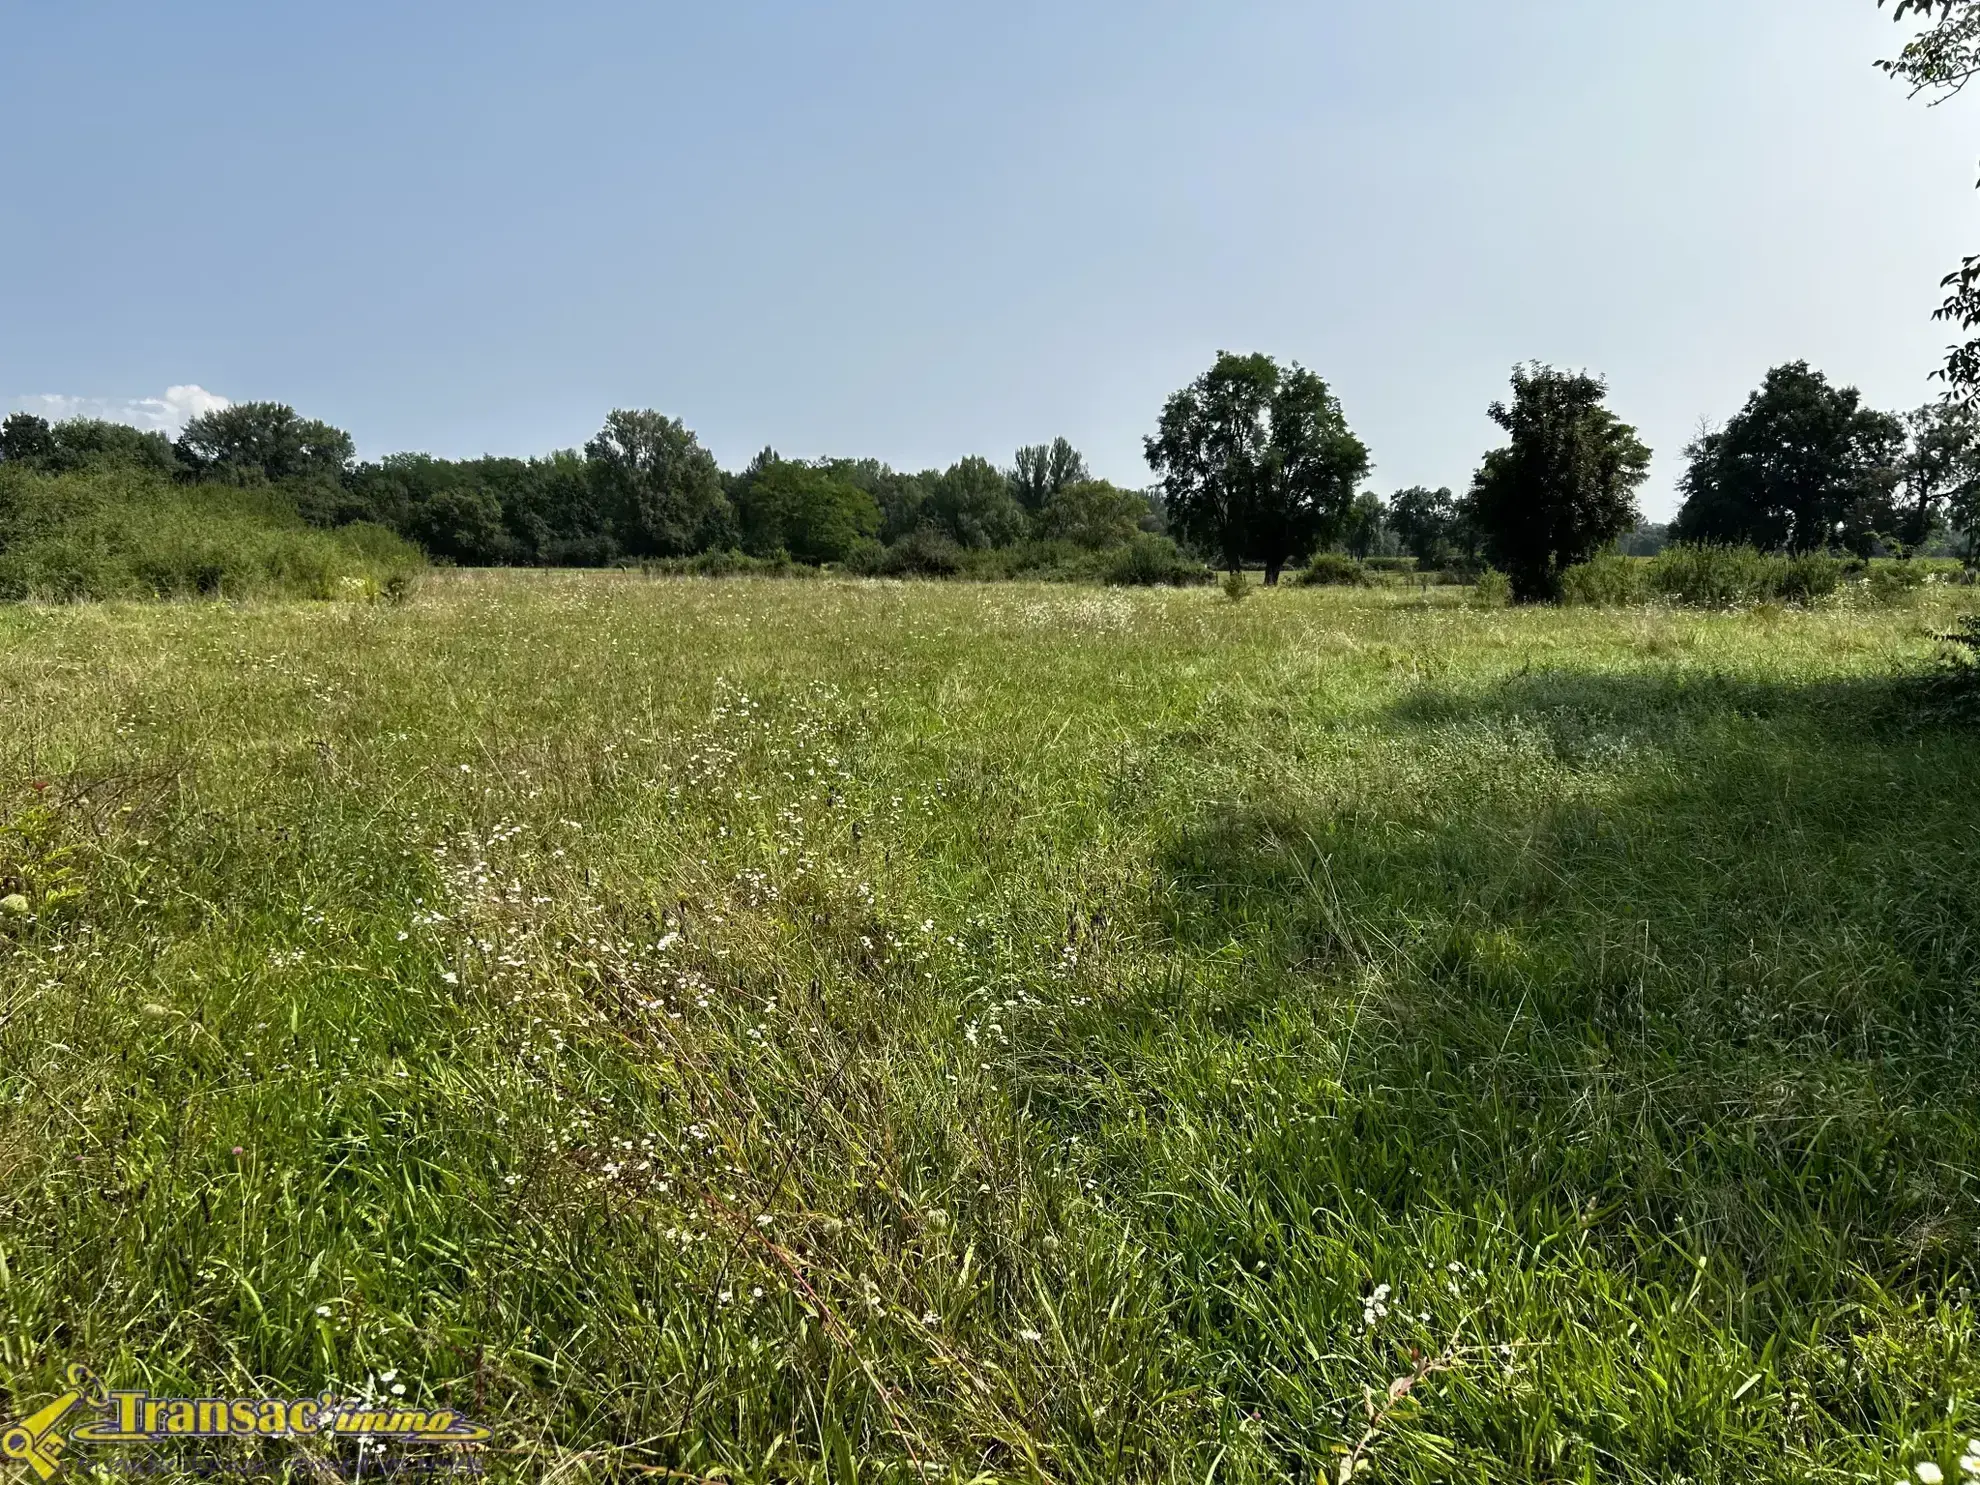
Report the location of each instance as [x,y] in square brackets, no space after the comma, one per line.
[807,512]
[1257,463]
[127,532]
[1803,466]
[1256,468]
[643,490]
[1563,487]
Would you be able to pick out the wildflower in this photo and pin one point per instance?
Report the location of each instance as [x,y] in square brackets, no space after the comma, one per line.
[323,1310]
[239,1151]
[398,1389]
[1928,1472]
[1375,1307]
[1030,1335]
[450,977]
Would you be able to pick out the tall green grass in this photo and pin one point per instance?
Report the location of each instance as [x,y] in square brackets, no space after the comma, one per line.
[847,1031]
[124,533]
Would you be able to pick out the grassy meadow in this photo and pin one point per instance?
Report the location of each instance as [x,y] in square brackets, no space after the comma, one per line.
[873,1031]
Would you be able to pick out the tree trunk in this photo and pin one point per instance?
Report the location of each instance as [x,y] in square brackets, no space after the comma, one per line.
[1271,574]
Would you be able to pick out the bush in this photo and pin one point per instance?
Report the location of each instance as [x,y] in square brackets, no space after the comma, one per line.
[923,552]
[1333,569]
[1153,561]
[131,533]
[1608,581]
[1710,576]
[1493,589]
[1049,560]
[1893,583]
[1389,564]
[1720,577]
[1952,692]
[1808,577]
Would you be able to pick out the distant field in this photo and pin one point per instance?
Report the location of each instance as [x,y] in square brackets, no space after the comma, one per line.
[845,1031]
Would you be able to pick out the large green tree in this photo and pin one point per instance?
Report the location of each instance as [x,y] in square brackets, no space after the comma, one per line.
[1563,487]
[264,441]
[26,439]
[1093,513]
[1938,62]
[660,489]
[1256,462]
[802,509]
[1939,475]
[1803,466]
[1427,523]
[463,523]
[972,502]
[901,497]
[1366,531]
[76,443]
[1042,470]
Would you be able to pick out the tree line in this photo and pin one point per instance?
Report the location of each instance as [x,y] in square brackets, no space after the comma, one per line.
[1255,465]
[642,487]
[1258,464]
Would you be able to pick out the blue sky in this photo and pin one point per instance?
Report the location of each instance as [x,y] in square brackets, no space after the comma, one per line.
[916,231]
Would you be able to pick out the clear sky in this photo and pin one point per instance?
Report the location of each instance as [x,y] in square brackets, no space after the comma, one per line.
[917,230]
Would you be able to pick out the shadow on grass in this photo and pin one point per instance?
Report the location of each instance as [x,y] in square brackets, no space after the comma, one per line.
[1654,966]
[1700,954]
[1721,902]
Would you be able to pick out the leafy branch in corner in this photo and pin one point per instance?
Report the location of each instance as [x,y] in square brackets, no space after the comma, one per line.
[1940,61]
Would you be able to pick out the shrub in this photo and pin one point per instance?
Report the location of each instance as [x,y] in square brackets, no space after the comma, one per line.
[1153,561]
[131,533]
[1237,587]
[1050,560]
[923,552]
[1709,576]
[1808,577]
[1720,576]
[1892,583]
[1493,589]
[1952,692]
[1608,581]
[1333,569]
[1389,564]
